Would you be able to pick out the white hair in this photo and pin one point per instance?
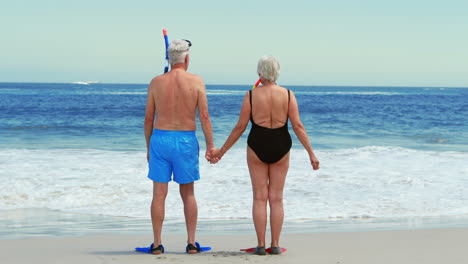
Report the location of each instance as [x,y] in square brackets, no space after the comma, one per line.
[177,51]
[268,67]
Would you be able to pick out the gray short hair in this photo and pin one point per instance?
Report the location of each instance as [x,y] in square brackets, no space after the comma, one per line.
[268,67]
[177,50]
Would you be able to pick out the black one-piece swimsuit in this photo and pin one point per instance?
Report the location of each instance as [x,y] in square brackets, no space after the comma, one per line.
[270,144]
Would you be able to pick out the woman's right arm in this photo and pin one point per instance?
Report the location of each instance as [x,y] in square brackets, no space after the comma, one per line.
[238,130]
[300,131]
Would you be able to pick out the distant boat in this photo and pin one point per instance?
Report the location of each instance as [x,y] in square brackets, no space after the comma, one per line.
[86,83]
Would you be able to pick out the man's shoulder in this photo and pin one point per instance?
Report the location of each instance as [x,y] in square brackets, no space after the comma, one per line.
[154,81]
[158,78]
[162,79]
[194,76]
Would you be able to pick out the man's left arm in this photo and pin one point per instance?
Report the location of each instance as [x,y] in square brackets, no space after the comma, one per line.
[205,121]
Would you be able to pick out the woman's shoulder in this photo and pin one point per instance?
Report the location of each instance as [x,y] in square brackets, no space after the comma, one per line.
[282,90]
[286,90]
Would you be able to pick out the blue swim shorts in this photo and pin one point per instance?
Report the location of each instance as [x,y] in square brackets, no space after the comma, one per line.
[173,153]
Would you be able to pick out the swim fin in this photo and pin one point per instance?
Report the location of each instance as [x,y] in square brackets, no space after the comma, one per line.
[249,250]
[268,250]
[147,249]
[198,247]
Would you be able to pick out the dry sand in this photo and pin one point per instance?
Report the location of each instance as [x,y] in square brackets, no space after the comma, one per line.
[397,247]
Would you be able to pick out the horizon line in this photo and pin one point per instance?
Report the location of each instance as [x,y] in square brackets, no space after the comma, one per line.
[312,85]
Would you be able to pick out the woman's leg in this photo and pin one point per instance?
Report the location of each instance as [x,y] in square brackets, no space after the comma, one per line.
[277,175]
[259,177]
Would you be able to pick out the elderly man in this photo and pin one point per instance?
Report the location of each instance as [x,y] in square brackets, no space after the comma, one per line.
[173,100]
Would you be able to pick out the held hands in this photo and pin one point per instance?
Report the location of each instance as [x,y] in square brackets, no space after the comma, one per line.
[208,154]
[214,155]
[217,154]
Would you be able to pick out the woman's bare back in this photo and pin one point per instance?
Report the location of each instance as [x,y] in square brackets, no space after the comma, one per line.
[270,106]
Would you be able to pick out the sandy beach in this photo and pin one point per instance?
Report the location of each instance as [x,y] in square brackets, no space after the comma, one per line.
[409,246]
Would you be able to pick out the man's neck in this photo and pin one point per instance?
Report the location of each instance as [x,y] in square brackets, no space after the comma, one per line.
[178,66]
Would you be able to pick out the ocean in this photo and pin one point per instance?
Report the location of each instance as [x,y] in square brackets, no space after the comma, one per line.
[385,152]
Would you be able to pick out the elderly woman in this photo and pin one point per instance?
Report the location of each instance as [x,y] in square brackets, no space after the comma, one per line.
[268,108]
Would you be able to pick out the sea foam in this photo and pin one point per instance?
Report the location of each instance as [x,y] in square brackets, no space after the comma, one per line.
[368,182]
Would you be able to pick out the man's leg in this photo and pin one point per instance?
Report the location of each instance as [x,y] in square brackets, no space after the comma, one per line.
[157,209]
[190,210]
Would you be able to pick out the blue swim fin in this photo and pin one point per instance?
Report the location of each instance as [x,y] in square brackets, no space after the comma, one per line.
[202,249]
[198,248]
[148,249]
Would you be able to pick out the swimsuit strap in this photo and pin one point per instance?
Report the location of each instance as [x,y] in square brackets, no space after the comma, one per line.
[250,94]
[251,117]
[287,115]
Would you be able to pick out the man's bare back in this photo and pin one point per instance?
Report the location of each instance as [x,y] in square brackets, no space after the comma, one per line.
[173,100]
[176,96]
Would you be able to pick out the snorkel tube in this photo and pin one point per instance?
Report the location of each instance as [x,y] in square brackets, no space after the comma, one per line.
[257,83]
[166,40]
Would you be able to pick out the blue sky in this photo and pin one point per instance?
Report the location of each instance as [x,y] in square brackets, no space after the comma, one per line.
[414,43]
